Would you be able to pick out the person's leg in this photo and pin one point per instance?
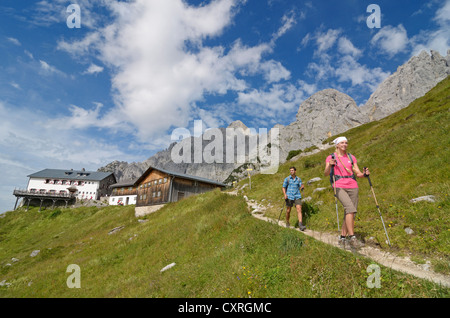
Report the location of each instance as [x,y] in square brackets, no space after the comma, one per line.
[299,212]
[347,199]
[300,217]
[349,223]
[288,214]
[353,195]
[344,228]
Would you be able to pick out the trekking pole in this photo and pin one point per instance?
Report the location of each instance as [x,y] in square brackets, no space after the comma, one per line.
[335,196]
[281,212]
[378,207]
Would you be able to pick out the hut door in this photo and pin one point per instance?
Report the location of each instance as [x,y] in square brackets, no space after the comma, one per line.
[180,196]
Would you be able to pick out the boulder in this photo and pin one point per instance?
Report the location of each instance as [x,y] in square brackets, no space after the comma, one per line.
[429,198]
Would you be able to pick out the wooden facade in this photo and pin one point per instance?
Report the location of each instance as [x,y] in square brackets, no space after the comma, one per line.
[158,186]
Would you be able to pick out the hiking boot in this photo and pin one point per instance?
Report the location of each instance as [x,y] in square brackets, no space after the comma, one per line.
[301,226]
[354,243]
[287,224]
[342,242]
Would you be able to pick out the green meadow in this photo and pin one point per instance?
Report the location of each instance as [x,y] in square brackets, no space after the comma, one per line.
[221,251]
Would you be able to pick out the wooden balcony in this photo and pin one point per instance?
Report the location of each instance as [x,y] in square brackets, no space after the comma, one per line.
[42,196]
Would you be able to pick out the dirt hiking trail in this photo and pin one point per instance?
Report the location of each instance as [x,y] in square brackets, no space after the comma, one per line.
[402,264]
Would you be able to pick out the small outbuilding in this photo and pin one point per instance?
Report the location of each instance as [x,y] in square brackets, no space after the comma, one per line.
[157,187]
[123,193]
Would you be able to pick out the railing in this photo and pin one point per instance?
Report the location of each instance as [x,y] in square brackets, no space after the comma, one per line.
[22,193]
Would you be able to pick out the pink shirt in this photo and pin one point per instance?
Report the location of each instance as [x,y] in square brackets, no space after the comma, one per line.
[345,183]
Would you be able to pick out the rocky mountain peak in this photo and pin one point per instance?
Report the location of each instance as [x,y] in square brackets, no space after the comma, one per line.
[239,124]
[411,81]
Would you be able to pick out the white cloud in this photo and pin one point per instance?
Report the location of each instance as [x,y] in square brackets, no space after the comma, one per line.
[15,85]
[289,20]
[345,46]
[442,16]
[275,102]
[14,41]
[326,40]
[81,47]
[306,39]
[359,75]
[42,142]
[47,69]
[162,68]
[331,68]
[93,69]
[28,53]
[274,71]
[391,40]
[437,39]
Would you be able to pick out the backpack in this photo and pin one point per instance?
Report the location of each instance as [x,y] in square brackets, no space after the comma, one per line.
[342,177]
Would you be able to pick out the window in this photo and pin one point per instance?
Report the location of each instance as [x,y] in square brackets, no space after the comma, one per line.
[154,194]
[165,180]
[160,181]
[159,194]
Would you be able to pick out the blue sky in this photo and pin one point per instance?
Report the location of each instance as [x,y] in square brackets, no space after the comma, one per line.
[117,87]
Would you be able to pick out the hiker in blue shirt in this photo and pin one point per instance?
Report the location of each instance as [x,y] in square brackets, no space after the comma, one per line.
[292,186]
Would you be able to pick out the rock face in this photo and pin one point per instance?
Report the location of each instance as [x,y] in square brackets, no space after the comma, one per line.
[125,171]
[324,114]
[411,81]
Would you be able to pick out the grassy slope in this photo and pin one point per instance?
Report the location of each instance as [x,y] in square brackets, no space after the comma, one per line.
[218,248]
[408,153]
[221,251]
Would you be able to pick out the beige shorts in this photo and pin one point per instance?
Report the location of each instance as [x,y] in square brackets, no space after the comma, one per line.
[348,198]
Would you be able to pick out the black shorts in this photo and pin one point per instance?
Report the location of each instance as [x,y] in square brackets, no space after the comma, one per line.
[290,203]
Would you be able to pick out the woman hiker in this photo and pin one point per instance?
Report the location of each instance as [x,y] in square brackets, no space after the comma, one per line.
[345,171]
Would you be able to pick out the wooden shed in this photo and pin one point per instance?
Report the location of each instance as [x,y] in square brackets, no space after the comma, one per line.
[158,186]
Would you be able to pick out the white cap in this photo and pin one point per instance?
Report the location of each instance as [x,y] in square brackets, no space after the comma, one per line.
[339,139]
